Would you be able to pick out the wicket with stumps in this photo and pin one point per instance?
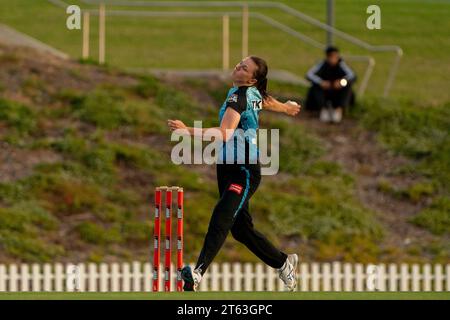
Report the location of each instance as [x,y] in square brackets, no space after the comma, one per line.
[168,201]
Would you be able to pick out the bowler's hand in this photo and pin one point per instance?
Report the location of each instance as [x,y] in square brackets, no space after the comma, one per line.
[176,124]
[292,108]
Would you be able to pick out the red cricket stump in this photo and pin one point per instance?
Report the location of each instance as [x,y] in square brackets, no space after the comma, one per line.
[179,239]
[156,240]
[168,251]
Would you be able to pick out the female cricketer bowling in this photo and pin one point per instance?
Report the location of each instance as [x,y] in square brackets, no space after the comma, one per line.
[239,175]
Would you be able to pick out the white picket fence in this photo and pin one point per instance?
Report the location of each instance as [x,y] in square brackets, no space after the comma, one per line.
[137,276]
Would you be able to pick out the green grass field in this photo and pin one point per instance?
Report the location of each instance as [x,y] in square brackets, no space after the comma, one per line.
[158,42]
[231,296]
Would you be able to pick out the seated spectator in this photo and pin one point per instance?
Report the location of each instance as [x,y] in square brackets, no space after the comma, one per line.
[331,91]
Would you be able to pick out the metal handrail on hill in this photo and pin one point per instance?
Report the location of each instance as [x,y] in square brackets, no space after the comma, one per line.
[245,14]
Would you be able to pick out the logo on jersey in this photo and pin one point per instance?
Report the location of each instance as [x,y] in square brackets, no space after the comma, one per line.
[257,104]
[236,188]
[233,98]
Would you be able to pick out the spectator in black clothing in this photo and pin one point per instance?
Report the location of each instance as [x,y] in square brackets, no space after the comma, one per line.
[331,86]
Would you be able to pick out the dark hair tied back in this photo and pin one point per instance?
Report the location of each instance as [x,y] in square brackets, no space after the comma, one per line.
[261,75]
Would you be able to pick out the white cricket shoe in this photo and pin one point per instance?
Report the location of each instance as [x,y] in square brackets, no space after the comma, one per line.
[336,115]
[325,114]
[288,272]
[191,279]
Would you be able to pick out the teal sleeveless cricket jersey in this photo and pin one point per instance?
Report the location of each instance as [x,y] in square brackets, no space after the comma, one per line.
[242,146]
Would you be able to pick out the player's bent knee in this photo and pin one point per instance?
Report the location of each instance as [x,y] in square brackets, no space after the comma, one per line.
[239,234]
